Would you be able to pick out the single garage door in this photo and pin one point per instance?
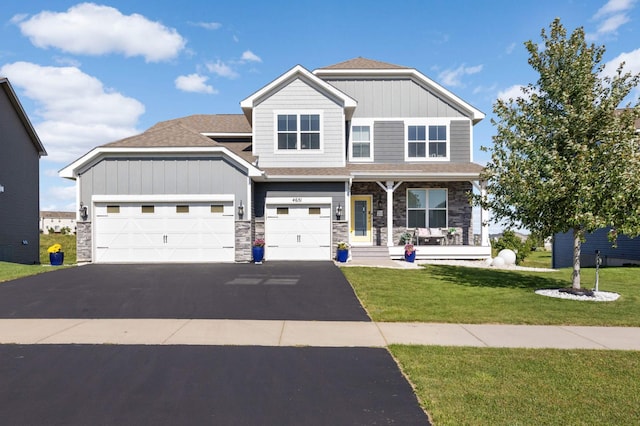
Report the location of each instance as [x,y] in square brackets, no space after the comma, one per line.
[164,232]
[298,229]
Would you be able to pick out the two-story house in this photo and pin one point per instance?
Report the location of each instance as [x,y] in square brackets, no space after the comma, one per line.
[20,152]
[361,151]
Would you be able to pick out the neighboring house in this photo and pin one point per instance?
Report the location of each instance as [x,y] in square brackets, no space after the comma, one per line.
[361,151]
[626,252]
[57,222]
[20,152]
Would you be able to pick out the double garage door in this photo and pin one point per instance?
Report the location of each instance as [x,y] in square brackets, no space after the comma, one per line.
[164,232]
[298,229]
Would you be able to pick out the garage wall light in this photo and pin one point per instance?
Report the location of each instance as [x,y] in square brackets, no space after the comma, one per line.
[338,211]
[83,211]
[240,210]
[1,188]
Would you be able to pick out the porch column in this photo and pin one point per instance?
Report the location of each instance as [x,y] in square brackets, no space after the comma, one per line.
[484,217]
[389,188]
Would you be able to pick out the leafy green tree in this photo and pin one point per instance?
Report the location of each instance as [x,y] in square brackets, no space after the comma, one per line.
[565,157]
[509,240]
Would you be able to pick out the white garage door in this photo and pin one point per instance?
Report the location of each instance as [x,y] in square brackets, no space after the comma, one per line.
[300,231]
[164,232]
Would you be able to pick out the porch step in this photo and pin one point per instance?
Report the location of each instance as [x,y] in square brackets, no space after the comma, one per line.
[370,252]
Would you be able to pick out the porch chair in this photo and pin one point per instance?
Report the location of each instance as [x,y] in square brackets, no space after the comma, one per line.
[430,236]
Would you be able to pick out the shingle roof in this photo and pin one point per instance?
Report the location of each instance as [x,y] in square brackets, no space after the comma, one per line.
[169,135]
[174,133]
[211,123]
[363,64]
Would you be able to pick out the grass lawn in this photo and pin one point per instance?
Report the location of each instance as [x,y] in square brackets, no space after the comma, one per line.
[11,271]
[453,294]
[491,386]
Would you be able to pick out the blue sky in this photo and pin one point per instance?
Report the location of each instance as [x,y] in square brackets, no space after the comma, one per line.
[92,73]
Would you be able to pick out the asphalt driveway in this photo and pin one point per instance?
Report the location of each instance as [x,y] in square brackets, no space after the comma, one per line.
[314,291]
[202,385]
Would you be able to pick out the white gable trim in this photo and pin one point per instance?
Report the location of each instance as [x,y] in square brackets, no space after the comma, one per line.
[71,171]
[298,71]
[475,114]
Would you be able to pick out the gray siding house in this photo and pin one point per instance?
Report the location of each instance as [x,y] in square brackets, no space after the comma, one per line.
[20,152]
[361,151]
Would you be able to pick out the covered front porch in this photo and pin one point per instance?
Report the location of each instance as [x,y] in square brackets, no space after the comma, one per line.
[382,214]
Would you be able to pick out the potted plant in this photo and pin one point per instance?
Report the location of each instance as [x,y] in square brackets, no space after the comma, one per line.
[343,252]
[56,255]
[258,250]
[409,252]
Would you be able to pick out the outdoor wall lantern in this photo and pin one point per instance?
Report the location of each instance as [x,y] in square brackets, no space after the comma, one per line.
[240,210]
[338,211]
[83,211]
[1,188]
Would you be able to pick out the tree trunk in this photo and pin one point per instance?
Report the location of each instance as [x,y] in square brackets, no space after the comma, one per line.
[577,242]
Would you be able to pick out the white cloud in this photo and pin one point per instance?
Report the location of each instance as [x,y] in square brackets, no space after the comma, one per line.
[208,25]
[510,48]
[221,69]
[453,77]
[614,6]
[194,83]
[610,18]
[512,92]
[77,112]
[631,64]
[91,29]
[249,56]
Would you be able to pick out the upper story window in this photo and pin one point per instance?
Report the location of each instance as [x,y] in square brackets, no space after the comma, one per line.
[298,131]
[427,142]
[361,142]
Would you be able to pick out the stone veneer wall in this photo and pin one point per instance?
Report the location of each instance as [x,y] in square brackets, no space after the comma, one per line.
[243,241]
[83,242]
[339,232]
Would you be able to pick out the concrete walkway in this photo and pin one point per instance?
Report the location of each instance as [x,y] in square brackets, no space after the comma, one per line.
[310,333]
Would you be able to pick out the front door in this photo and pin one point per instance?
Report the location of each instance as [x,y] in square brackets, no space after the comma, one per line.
[361,219]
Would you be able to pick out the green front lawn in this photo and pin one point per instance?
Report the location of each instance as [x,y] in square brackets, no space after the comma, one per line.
[453,294]
[12,271]
[492,386]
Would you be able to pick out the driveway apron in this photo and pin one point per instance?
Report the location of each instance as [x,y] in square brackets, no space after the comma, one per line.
[312,291]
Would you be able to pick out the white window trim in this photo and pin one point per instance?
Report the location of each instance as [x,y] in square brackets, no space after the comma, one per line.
[446,190]
[426,122]
[361,122]
[297,113]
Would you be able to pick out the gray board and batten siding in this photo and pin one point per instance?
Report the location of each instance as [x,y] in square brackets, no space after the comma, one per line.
[628,250]
[19,202]
[298,95]
[335,190]
[389,97]
[162,176]
[389,140]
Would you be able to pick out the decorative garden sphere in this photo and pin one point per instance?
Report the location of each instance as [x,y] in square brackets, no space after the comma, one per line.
[497,261]
[488,261]
[508,255]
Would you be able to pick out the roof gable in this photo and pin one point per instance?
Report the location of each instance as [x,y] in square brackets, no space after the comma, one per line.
[367,68]
[17,106]
[296,72]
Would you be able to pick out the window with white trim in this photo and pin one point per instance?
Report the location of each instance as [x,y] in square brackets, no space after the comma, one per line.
[361,141]
[427,208]
[298,131]
[427,141]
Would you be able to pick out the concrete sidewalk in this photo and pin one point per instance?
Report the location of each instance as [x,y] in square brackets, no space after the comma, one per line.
[310,333]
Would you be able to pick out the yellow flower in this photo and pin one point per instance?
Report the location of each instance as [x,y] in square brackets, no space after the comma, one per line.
[56,248]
